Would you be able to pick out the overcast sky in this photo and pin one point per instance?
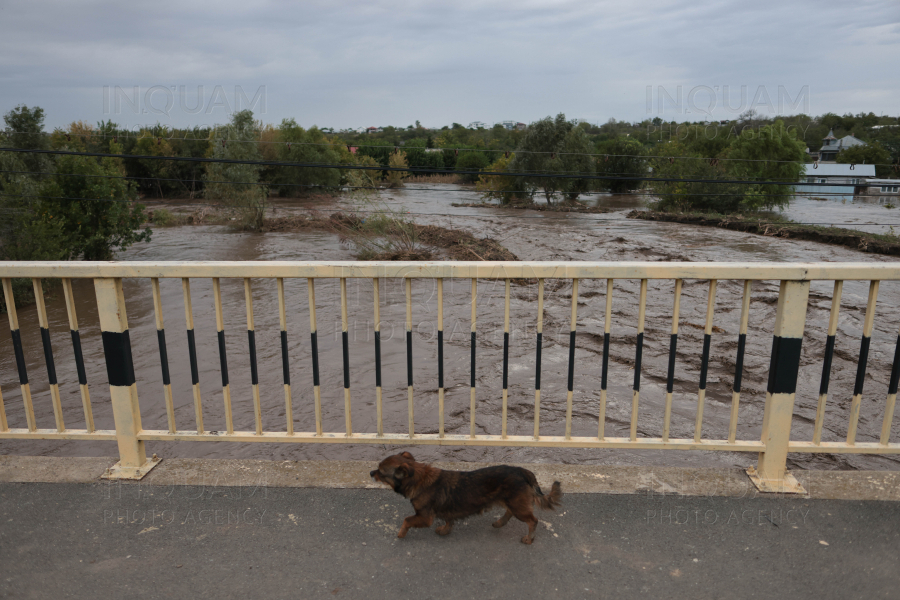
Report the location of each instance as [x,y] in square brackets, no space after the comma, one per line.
[354,64]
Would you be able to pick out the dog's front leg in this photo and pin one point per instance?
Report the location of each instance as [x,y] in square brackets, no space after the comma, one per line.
[416,520]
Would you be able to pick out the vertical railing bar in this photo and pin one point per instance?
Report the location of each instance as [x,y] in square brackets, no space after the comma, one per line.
[79,356]
[739,363]
[704,361]
[892,396]
[440,334]
[4,425]
[863,360]
[163,353]
[571,378]
[505,361]
[285,360]
[48,354]
[472,365]
[826,362]
[537,368]
[376,285]
[223,356]
[638,351]
[673,344]
[409,356]
[314,346]
[251,340]
[607,319]
[192,349]
[345,340]
[20,355]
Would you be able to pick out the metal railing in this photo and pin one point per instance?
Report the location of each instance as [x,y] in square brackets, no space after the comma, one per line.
[773,447]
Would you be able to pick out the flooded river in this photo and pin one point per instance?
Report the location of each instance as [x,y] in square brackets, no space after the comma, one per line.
[531,236]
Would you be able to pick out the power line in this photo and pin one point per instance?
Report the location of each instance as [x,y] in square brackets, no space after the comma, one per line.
[403,147]
[411,169]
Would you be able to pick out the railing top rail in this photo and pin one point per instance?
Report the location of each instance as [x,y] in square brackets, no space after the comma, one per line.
[456,269]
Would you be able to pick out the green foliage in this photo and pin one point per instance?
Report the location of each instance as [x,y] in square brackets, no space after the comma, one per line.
[547,147]
[306,146]
[471,161]
[237,141]
[397,160]
[770,154]
[621,157]
[871,154]
[498,187]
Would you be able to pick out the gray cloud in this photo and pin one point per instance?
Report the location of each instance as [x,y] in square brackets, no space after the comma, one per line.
[377,62]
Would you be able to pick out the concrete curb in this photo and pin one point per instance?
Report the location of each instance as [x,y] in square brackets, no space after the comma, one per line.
[576,479]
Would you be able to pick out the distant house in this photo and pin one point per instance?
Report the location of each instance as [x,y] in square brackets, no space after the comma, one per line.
[831,146]
[477,125]
[374,130]
[521,126]
[854,179]
[882,187]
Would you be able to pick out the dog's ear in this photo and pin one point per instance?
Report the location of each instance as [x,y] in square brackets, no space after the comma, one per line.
[407,455]
[401,472]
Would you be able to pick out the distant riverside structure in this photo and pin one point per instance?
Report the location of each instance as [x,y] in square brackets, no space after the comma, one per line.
[511,125]
[856,179]
[831,146]
[477,125]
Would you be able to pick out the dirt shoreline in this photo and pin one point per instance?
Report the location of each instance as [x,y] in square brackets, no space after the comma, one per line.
[836,236]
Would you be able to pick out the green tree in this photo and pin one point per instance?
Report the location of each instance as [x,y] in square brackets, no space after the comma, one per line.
[395,179]
[310,147]
[238,141]
[870,154]
[622,157]
[471,160]
[770,154]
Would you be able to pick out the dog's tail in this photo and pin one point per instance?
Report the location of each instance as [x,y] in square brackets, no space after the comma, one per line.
[546,502]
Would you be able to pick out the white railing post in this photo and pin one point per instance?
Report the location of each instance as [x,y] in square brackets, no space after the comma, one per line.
[133,463]
[784,366]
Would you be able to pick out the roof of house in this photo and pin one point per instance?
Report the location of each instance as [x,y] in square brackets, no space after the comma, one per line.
[839,170]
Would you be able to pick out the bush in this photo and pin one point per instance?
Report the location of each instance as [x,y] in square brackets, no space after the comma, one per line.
[395,179]
[471,160]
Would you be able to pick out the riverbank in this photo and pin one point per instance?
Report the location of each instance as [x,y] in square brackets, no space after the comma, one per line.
[783,228]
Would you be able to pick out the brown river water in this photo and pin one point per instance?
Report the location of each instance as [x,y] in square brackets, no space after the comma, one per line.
[531,236]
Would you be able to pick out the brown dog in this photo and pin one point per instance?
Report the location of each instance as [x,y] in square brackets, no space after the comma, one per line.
[452,495]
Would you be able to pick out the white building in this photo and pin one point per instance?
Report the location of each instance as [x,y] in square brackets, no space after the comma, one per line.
[477,125]
[854,179]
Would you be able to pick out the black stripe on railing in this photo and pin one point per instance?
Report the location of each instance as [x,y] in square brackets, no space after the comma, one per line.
[315,357]
[440,358]
[79,357]
[537,368]
[472,377]
[409,361]
[346,343]
[119,364]
[826,365]
[784,365]
[639,349]
[285,363]
[20,356]
[861,367]
[223,358]
[704,361]
[378,357]
[605,369]
[739,363]
[571,359]
[192,350]
[251,339]
[895,370]
[48,355]
[163,355]
[670,379]
[505,360]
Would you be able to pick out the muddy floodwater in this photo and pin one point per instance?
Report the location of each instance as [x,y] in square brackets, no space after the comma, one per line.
[530,235]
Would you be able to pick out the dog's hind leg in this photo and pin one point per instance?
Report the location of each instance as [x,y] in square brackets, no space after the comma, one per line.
[445,528]
[526,515]
[504,519]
